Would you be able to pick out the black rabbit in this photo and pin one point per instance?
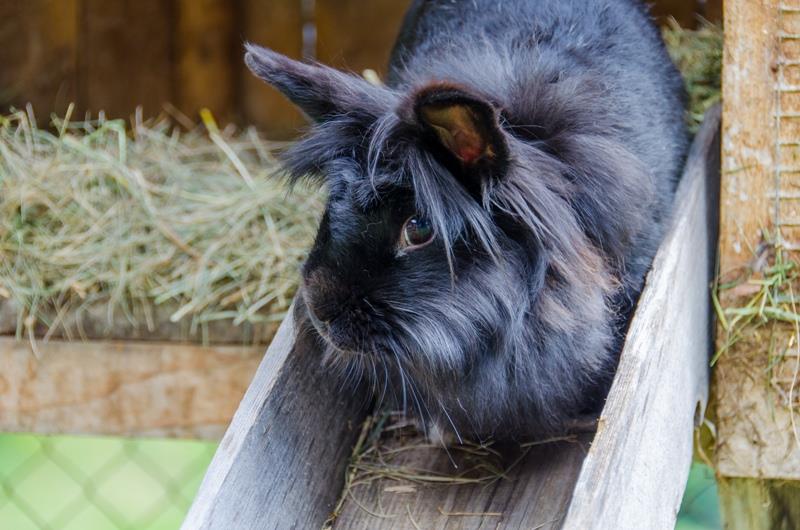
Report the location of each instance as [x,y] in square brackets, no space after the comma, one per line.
[492,210]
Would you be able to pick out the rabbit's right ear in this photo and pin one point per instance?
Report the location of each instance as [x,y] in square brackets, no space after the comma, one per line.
[321,92]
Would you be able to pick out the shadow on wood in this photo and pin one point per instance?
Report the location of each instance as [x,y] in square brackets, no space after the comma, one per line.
[283,460]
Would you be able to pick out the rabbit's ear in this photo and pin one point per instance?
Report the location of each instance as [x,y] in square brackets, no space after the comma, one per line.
[321,92]
[465,125]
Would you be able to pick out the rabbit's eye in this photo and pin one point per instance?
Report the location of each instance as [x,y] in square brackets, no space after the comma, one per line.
[417,232]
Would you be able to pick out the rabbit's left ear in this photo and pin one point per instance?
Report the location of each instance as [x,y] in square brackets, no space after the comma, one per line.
[465,126]
[320,92]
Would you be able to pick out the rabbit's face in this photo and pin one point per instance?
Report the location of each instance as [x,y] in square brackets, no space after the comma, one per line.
[408,261]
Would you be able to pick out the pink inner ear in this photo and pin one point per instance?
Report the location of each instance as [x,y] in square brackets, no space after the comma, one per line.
[468,147]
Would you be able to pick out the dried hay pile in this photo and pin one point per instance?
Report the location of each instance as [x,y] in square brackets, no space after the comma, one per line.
[108,231]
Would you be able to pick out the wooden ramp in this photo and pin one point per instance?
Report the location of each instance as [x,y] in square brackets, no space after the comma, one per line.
[284,461]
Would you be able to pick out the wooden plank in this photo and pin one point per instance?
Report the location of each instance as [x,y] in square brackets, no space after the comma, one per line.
[281,463]
[752,504]
[533,493]
[355,35]
[748,95]
[38,51]
[277,24]
[125,56]
[122,389]
[754,426]
[635,473]
[207,55]
[93,322]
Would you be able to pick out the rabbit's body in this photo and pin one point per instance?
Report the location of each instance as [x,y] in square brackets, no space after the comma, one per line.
[494,210]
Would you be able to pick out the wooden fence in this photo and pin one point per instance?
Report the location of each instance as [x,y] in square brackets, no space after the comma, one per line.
[115,55]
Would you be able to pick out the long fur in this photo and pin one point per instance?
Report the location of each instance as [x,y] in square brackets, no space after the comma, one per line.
[510,322]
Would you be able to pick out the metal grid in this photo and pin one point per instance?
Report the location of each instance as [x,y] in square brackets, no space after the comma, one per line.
[78,483]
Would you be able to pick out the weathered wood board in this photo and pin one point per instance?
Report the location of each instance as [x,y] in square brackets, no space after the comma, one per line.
[95,322]
[755,432]
[295,422]
[635,473]
[122,388]
[281,463]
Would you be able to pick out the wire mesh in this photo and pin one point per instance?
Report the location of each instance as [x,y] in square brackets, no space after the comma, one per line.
[82,483]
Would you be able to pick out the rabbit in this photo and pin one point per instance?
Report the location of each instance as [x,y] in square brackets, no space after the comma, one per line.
[492,210]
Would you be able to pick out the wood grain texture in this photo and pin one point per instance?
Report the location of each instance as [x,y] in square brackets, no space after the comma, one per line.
[277,24]
[534,493]
[635,473]
[93,322]
[122,389]
[761,175]
[125,56]
[281,463]
[356,35]
[747,188]
[206,57]
[753,504]
[38,54]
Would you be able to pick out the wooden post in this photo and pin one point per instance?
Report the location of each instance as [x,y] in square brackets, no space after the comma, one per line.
[277,24]
[756,448]
[38,54]
[206,57]
[125,56]
[356,35]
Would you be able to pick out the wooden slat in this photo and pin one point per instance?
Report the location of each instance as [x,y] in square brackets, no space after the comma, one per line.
[277,24]
[356,35]
[122,388]
[636,471]
[38,54]
[94,322]
[281,464]
[125,56]
[206,57]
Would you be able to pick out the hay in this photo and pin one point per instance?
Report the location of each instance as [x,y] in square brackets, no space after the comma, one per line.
[93,214]
[698,55]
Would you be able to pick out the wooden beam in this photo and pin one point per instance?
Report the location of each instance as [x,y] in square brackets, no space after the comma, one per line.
[122,388]
[296,422]
[748,129]
[754,427]
[281,464]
